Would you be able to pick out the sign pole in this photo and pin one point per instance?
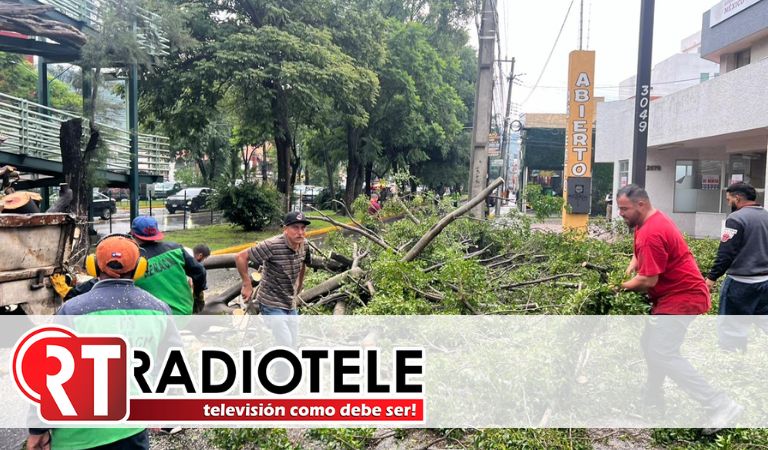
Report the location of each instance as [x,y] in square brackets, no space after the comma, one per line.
[577,173]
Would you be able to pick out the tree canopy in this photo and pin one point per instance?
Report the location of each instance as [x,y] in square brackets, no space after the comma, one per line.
[371,85]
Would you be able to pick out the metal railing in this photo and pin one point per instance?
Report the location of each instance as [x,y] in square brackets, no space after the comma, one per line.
[91,14]
[33,129]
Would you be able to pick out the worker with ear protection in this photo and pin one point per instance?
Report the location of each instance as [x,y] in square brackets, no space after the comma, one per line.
[116,264]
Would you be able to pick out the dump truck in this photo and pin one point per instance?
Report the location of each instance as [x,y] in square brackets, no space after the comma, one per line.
[33,247]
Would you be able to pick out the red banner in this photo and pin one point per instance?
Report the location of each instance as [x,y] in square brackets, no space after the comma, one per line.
[276,410]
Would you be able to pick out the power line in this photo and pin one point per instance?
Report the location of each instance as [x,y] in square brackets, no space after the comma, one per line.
[546,63]
[618,85]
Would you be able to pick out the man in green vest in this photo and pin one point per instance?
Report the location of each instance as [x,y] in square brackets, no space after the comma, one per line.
[115,295]
[169,267]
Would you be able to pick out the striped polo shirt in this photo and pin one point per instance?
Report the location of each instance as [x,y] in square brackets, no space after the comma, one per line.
[281,269]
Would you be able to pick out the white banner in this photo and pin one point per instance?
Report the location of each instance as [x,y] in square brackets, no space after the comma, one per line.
[412,371]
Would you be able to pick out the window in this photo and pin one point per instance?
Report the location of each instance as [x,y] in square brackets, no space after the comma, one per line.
[698,186]
[623,173]
[743,57]
[749,168]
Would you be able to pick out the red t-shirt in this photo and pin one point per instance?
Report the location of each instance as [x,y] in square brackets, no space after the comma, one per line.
[661,250]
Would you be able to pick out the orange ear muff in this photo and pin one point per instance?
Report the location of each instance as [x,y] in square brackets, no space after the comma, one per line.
[141,268]
[91,268]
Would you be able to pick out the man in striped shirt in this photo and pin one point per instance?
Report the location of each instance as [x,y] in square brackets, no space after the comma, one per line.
[284,259]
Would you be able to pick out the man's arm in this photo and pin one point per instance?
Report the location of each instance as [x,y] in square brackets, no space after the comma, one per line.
[649,261]
[39,439]
[241,262]
[258,254]
[196,272]
[640,283]
[632,267]
[731,243]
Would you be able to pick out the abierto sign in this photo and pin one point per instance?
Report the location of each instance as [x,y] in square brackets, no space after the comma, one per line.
[578,130]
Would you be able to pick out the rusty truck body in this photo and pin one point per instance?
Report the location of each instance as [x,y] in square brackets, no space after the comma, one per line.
[32,248]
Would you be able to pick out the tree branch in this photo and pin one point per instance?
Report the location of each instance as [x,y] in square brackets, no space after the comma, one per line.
[445,221]
[540,280]
[372,237]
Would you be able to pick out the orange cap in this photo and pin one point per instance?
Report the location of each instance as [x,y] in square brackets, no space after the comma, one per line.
[117,255]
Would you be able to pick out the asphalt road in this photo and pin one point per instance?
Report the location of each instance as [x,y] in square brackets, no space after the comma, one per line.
[120,222]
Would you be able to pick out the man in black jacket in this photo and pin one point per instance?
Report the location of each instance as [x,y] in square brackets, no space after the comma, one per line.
[743,256]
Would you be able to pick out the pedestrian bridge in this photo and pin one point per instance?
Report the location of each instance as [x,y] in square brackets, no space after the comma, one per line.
[88,15]
[31,133]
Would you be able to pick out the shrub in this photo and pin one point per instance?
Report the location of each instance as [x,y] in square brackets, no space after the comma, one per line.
[249,206]
[543,205]
[325,201]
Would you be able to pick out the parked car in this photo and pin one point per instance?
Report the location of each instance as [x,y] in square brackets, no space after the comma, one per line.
[307,193]
[193,199]
[102,206]
[165,189]
[119,194]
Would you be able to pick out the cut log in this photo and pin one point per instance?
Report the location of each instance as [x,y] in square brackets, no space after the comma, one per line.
[220,261]
[225,297]
[331,284]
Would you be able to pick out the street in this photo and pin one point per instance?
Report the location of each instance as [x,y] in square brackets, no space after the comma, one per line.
[120,222]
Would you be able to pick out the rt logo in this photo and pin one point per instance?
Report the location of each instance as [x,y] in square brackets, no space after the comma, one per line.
[73,378]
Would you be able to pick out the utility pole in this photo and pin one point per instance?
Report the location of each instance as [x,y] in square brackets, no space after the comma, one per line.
[505,140]
[43,99]
[481,124]
[581,26]
[133,128]
[643,93]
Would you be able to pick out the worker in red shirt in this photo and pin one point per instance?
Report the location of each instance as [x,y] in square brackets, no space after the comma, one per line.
[374,206]
[665,269]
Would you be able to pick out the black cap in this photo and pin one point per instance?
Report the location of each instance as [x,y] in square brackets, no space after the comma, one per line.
[295,217]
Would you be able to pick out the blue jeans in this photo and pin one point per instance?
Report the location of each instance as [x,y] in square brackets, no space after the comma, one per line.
[741,305]
[285,330]
[283,323]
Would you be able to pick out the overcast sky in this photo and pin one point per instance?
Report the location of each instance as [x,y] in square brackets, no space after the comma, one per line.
[611,27]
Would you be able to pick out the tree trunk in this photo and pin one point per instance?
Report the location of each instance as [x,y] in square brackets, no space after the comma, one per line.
[78,168]
[264,171]
[329,174]
[295,163]
[245,156]
[359,180]
[212,171]
[73,166]
[233,165]
[282,134]
[368,172]
[203,170]
[354,164]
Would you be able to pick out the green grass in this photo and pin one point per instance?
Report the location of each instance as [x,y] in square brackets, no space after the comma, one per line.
[226,235]
[218,236]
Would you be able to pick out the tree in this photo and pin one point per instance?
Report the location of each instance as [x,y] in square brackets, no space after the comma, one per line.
[420,115]
[18,78]
[277,57]
[210,149]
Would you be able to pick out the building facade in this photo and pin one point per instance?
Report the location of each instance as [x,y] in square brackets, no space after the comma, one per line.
[707,136]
